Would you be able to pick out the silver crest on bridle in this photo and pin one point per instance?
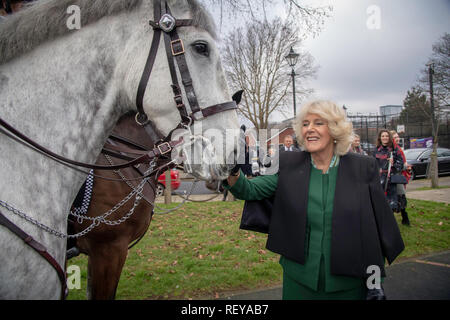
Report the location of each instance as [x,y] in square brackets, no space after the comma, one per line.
[167,22]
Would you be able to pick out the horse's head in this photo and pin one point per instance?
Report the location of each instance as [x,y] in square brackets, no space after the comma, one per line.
[210,122]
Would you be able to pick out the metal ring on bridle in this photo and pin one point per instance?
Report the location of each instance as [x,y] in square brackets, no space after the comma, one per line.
[140,121]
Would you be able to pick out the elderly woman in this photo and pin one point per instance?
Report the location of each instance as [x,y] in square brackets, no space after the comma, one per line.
[330,220]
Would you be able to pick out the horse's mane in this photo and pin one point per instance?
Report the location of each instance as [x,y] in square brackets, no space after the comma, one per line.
[44,20]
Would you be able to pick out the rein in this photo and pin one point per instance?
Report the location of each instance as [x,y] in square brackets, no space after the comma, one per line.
[145,157]
[39,248]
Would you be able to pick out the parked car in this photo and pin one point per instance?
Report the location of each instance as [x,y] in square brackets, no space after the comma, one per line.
[368,147]
[175,182]
[419,159]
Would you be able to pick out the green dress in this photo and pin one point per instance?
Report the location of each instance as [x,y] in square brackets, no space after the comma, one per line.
[312,280]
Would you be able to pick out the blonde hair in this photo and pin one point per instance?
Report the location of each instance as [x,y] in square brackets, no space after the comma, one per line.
[393,133]
[340,128]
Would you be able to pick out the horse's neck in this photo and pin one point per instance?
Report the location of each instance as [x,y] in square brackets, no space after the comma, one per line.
[64,96]
[65,92]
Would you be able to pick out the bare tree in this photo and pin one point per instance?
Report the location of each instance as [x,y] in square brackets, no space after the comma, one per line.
[440,60]
[254,61]
[436,77]
[309,18]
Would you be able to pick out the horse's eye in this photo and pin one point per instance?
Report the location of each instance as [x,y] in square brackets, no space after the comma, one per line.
[201,48]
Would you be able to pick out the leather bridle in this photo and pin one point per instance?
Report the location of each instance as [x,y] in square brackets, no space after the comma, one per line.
[167,24]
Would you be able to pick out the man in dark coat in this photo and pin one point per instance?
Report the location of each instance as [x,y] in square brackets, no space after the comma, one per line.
[288,144]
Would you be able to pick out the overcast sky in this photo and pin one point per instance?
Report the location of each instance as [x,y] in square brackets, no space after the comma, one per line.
[366,67]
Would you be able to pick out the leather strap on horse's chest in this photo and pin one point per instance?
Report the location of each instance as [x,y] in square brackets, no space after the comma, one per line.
[39,248]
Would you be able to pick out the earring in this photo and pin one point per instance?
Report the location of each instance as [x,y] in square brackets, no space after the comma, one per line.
[335,141]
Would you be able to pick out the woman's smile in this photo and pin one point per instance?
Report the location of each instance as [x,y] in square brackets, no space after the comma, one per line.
[316,133]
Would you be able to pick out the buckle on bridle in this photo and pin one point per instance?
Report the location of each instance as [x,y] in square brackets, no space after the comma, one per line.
[180,48]
[179,101]
[166,145]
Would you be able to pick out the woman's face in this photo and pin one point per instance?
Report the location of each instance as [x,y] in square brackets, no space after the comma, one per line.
[384,138]
[316,134]
[396,138]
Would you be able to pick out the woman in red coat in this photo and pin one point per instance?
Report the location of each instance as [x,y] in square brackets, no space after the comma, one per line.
[401,188]
[390,163]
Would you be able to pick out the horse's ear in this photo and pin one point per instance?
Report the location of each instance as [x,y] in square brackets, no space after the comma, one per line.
[237,96]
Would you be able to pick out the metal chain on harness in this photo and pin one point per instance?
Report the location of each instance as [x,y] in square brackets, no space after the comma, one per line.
[96,221]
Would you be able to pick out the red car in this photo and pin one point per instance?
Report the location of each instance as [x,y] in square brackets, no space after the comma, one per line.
[175,182]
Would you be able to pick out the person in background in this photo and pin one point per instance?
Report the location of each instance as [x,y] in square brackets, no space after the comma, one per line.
[401,188]
[356,145]
[288,144]
[390,162]
[11,6]
[330,219]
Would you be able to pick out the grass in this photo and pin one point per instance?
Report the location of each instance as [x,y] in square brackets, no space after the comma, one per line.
[430,228]
[198,251]
[195,251]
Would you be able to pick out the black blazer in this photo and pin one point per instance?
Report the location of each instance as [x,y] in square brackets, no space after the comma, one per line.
[364,230]
[282,149]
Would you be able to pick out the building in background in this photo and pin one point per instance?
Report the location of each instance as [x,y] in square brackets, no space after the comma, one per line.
[390,111]
[278,131]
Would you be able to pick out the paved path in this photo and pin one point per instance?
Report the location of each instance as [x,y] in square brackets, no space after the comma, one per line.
[420,278]
[438,195]
[426,183]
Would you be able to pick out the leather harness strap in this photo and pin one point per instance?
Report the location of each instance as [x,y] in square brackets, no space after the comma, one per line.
[160,149]
[165,22]
[141,116]
[39,248]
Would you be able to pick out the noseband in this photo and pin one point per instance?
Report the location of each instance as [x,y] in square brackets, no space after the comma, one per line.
[166,23]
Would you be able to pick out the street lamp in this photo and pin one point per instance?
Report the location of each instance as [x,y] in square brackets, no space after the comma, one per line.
[430,79]
[433,156]
[292,59]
